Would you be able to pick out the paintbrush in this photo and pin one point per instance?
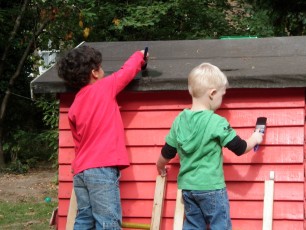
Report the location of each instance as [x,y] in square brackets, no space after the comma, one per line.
[145,58]
[261,125]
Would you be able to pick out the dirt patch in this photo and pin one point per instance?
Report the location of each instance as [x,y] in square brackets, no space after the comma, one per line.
[37,184]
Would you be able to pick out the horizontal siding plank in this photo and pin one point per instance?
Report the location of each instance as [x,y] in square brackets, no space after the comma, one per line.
[64,189]
[63,122]
[64,173]
[285,210]
[255,191]
[264,98]
[66,100]
[267,155]
[237,118]
[292,210]
[150,154]
[165,100]
[236,190]
[273,136]
[181,99]
[61,225]
[290,173]
[293,173]
[283,173]
[65,155]
[238,224]
[63,207]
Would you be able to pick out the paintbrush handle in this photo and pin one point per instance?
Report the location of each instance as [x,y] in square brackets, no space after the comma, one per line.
[256,147]
[145,58]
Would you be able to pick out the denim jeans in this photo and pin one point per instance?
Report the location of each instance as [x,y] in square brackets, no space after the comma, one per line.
[207,210]
[98,197]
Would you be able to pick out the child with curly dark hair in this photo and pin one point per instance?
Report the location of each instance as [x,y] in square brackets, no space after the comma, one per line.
[98,134]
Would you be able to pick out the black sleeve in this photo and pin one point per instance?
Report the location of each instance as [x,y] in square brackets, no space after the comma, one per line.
[237,146]
[168,151]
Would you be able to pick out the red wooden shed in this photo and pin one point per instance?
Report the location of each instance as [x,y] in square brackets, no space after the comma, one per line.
[267,77]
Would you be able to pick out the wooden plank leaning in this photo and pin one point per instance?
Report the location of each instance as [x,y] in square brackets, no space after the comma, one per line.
[179,211]
[267,222]
[157,211]
[72,211]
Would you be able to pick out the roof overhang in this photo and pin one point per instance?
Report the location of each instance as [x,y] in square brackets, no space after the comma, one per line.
[276,62]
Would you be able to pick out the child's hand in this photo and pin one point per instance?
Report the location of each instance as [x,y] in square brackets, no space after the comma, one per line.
[143,51]
[257,136]
[161,166]
[162,171]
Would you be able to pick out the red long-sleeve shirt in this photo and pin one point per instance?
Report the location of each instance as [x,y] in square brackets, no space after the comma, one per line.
[96,123]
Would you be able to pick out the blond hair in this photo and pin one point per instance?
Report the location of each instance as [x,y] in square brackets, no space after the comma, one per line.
[203,77]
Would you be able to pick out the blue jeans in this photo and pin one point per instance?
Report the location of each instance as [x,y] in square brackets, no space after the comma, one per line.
[98,197]
[207,210]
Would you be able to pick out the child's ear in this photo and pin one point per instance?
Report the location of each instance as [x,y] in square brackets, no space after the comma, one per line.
[211,94]
[94,74]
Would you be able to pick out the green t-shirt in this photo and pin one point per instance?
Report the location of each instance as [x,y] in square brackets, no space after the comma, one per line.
[199,137]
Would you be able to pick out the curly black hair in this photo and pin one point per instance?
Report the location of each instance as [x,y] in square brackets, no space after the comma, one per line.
[75,67]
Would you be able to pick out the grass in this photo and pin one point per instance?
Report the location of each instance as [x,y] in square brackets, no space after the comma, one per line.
[26,215]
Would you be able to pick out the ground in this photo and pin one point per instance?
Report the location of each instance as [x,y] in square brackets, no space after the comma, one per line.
[37,183]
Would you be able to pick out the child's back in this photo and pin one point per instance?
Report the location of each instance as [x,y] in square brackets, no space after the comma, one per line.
[198,136]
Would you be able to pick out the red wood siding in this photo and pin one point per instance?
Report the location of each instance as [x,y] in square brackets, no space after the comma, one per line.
[147,117]
[305,163]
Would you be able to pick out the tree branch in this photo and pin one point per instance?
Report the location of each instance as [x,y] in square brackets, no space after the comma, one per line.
[12,36]
[19,67]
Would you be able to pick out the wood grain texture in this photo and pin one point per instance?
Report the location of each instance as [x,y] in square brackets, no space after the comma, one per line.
[244,191]
[265,155]
[237,118]
[153,137]
[257,172]
[143,208]
[238,224]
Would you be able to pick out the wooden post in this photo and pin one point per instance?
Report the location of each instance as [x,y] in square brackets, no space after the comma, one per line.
[72,211]
[268,203]
[179,211]
[158,202]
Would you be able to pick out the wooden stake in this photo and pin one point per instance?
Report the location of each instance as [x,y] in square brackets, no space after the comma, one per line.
[72,211]
[158,202]
[179,211]
[268,203]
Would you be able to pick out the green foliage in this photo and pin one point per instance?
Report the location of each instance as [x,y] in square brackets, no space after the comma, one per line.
[50,118]
[164,20]
[50,107]
[286,18]
[248,21]
[30,141]
[26,149]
